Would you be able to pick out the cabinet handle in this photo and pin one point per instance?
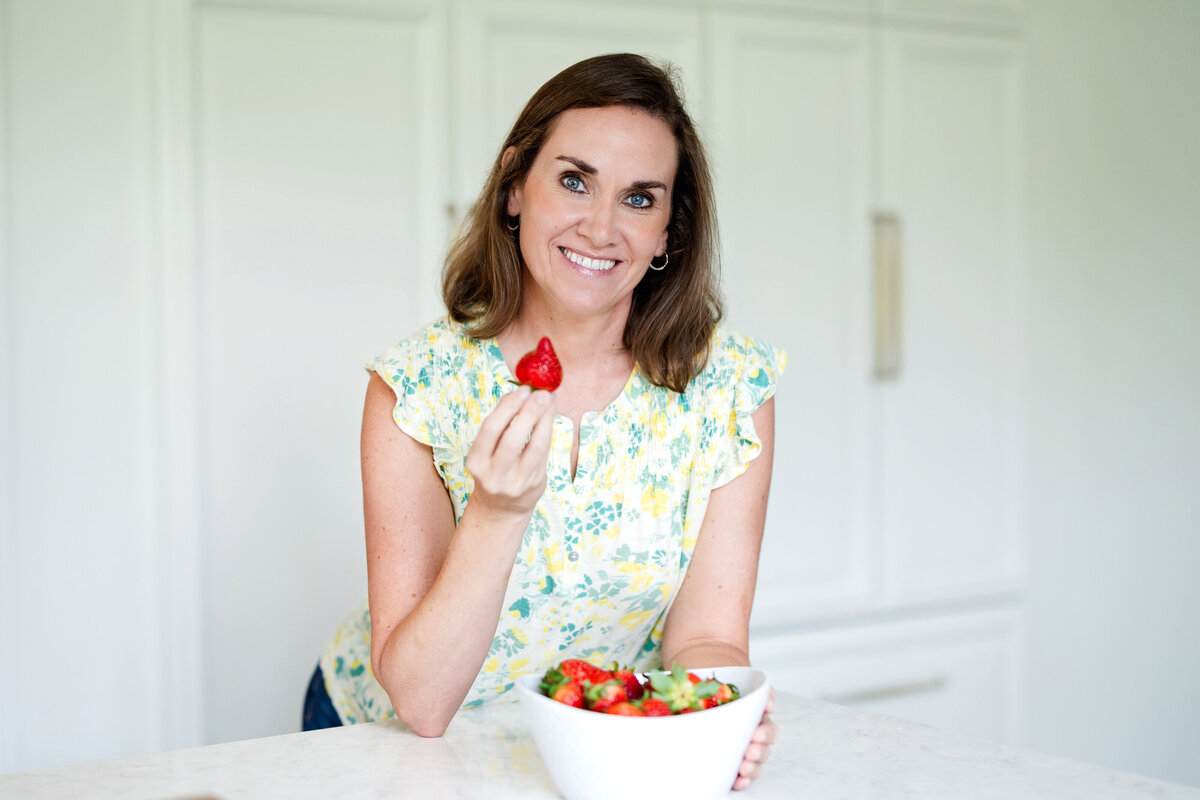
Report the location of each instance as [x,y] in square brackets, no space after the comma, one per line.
[887,692]
[888,304]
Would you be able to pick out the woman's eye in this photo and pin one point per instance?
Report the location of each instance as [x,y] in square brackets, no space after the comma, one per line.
[640,201]
[573,183]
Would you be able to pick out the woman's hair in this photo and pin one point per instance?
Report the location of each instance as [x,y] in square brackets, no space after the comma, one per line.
[674,310]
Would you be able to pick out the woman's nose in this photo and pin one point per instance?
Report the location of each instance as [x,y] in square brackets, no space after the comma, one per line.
[597,224]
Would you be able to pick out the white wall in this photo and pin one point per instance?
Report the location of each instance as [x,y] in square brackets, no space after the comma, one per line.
[1114,644]
[94,452]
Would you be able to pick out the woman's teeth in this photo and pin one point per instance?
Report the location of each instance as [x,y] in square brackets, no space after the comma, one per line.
[597,264]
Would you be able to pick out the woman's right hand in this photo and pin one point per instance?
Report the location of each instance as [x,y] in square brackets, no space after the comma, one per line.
[509,456]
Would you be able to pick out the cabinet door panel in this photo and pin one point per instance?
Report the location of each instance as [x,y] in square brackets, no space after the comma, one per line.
[508,50]
[950,498]
[1008,13]
[959,673]
[789,130]
[320,221]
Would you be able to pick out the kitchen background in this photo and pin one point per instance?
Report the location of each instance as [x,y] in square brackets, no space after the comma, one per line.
[973,223]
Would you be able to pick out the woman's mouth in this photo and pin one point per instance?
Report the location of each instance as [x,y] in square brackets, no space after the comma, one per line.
[590,264]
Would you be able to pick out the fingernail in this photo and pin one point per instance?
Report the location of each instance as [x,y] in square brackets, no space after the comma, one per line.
[523,392]
[542,398]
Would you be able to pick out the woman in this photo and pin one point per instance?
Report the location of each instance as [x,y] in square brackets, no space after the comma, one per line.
[617,518]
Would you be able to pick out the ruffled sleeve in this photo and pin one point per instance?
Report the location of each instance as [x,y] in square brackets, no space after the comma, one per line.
[416,371]
[746,372]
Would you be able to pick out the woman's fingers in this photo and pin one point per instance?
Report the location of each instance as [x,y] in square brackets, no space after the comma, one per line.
[757,752]
[508,458]
[766,732]
[495,423]
[516,437]
[536,453]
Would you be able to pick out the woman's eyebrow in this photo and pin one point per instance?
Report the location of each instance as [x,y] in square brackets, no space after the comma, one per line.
[588,169]
[581,165]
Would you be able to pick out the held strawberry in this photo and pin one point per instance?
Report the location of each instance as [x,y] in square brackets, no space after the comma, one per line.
[540,368]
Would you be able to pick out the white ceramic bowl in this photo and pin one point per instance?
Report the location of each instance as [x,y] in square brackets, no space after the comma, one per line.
[594,756]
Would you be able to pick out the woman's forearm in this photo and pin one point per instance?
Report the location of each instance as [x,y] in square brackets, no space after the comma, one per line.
[429,660]
[707,654]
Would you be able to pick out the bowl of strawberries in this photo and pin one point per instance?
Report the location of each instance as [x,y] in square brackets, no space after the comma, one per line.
[613,733]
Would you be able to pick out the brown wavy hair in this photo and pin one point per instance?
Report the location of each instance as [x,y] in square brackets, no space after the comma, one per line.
[674,311]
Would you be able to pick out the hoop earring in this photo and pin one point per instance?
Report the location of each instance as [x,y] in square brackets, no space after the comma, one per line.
[666,259]
[514,227]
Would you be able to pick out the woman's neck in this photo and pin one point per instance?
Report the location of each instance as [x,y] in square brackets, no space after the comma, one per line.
[584,343]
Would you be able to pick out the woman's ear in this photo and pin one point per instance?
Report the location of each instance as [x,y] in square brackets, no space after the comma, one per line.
[513,201]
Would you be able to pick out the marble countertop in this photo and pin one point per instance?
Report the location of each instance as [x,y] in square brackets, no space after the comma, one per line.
[825,751]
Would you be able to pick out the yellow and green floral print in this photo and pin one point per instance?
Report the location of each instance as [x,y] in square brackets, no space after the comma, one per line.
[606,551]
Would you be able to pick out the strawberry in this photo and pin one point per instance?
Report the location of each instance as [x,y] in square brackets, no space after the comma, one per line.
[539,368]
[599,697]
[682,690]
[583,671]
[633,687]
[677,689]
[562,687]
[625,709]
[721,693]
[654,707]
[570,693]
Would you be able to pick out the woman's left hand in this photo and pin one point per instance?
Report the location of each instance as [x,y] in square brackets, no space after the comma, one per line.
[760,747]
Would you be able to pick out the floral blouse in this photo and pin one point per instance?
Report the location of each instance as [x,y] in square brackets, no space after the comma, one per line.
[605,553]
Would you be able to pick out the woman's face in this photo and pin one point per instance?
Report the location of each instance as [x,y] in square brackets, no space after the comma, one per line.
[594,208]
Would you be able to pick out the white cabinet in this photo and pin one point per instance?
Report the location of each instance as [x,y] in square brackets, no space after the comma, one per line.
[871,205]
[791,129]
[956,671]
[948,493]
[893,486]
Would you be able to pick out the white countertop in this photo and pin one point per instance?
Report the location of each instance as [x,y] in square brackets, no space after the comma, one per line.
[825,751]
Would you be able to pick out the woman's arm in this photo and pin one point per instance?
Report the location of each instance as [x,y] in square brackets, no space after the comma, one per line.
[709,623]
[435,590]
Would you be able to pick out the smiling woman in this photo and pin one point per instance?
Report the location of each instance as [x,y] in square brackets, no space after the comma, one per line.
[617,518]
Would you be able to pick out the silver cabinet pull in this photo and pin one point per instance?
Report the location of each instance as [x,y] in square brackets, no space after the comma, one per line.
[888,302]
[857,696]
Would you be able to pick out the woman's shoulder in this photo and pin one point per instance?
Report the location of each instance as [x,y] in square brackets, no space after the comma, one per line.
[735,358]
[443,346]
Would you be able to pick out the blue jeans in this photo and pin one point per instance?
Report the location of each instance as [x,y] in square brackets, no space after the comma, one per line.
[318,708]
